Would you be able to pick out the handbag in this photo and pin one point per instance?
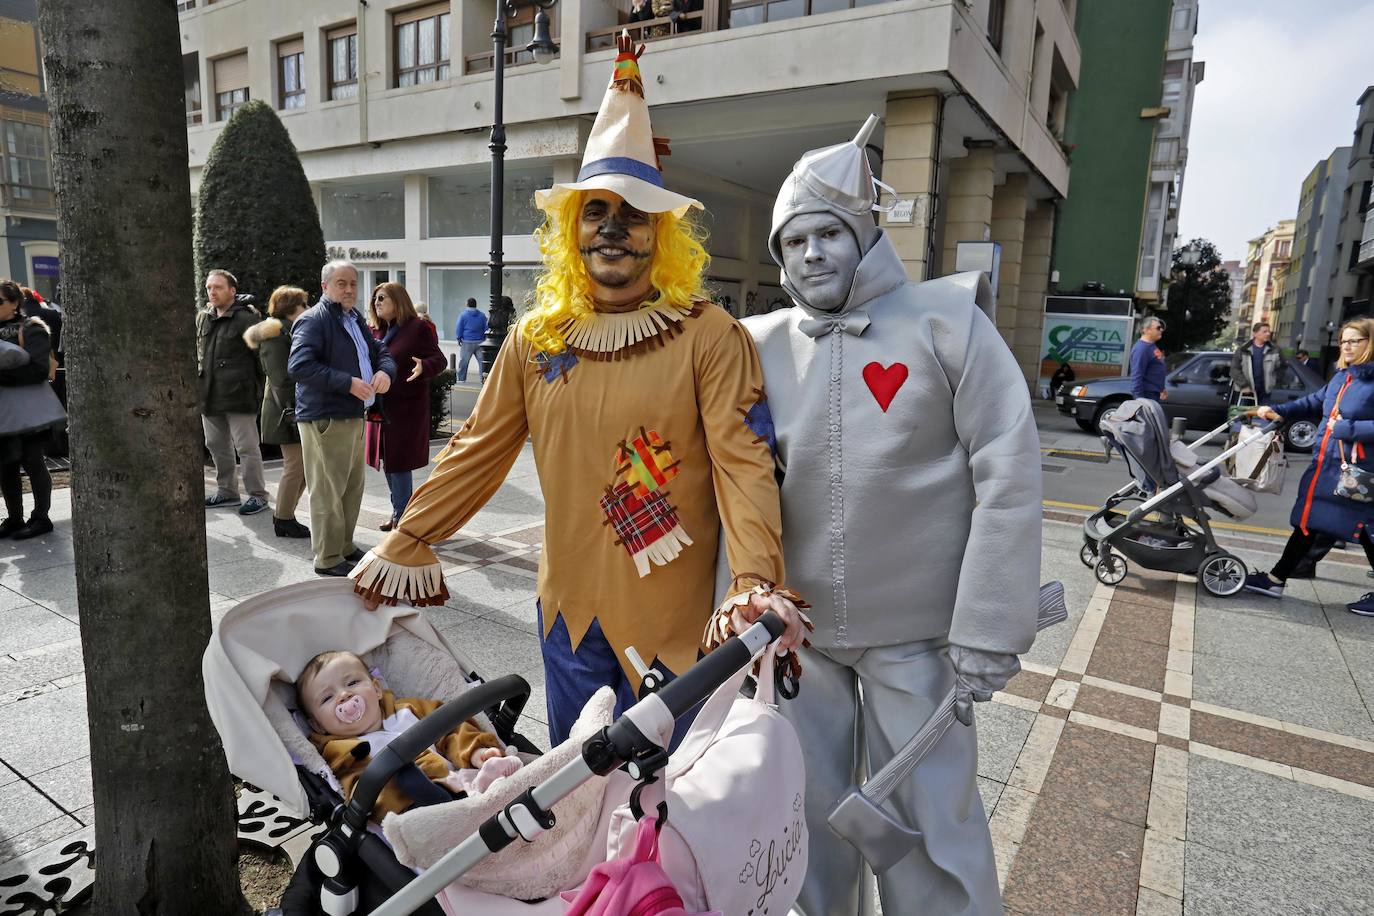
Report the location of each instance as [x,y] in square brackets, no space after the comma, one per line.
[1261,465]
[735,840]
[1354,482]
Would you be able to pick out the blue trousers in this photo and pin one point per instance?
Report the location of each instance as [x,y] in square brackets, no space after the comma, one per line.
[570,678]
[401,484]
[467,351]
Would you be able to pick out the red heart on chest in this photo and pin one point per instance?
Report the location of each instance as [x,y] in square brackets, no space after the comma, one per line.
[885,381]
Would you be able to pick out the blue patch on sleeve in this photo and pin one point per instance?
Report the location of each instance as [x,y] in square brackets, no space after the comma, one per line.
[759,419]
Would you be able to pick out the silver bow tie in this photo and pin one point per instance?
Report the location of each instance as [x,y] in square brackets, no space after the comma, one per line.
[854,322]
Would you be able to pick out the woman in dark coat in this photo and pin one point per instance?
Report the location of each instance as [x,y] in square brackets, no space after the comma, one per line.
[1345,408]
[272,339]
[398,441]
[29,412]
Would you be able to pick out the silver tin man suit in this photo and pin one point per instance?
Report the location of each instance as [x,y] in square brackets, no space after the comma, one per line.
[911,529]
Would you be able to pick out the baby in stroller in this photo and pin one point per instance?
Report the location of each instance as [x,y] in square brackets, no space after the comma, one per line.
[351,718]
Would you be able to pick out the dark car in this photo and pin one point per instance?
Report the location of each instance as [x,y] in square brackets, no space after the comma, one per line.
[1198,387]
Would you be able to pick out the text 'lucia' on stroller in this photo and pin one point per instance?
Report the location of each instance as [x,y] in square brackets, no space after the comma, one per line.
[1166,526]
[350,868]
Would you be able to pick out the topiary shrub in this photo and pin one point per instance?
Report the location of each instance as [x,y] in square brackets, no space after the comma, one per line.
[256,215]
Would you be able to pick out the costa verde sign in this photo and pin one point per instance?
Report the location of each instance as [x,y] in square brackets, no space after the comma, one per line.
[1094,345]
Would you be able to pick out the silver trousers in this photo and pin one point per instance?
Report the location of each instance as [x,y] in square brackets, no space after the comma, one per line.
[856,708]
[226,434]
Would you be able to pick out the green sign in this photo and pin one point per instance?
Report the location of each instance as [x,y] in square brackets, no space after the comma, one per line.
[1095,346]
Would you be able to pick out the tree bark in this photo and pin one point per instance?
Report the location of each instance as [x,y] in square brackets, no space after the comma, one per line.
[165,835]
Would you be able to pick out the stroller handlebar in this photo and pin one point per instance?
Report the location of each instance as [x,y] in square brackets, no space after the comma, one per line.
[702,679]
[403,751]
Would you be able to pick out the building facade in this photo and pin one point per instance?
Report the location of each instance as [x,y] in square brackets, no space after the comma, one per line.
[1307,303]
[1266,262]
[1352,271]
[1128,127]
[389,105]
[28,215]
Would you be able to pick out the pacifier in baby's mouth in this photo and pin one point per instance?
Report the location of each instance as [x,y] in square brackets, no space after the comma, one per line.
[350,710]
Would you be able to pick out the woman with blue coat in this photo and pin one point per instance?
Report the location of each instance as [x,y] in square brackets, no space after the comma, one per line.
[1345,408]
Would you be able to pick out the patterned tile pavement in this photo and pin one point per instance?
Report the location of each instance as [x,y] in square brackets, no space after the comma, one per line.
[1164,752]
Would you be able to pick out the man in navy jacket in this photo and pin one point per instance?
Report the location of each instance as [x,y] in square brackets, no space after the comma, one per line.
[1147,362]
[340,369]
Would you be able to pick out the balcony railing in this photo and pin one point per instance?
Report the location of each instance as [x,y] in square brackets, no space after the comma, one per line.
[482,62]
[720,14]
[653,29]
[25,197]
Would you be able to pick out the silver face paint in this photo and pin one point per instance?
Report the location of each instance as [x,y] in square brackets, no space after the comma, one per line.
[820,256]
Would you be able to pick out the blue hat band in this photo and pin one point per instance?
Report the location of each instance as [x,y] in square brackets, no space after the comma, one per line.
[622,165]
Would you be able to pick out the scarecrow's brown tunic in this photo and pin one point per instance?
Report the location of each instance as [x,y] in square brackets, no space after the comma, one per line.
[672,435]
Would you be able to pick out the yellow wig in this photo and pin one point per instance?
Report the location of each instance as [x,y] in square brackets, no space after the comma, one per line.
[564,293]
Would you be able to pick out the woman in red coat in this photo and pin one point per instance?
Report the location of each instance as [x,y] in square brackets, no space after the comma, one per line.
[398,440]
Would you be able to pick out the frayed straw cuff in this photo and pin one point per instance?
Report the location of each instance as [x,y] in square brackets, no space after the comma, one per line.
[381,580]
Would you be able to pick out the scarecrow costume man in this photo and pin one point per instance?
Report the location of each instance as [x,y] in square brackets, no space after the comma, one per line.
[644,403]
[911,521]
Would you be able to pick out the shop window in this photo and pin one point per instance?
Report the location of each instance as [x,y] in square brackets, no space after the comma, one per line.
[375,210]
[342,47]
[460,204]
[451,287]
[422,45]
[291,74]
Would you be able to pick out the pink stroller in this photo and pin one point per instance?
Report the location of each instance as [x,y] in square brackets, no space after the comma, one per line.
[260,646]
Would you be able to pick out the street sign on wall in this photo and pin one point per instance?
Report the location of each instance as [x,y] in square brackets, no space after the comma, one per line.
[1094,345]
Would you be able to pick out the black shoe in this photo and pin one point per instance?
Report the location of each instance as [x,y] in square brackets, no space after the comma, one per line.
[289,528]
[354,557]
[221,502]
[343,569]
[39,524]
[11,526]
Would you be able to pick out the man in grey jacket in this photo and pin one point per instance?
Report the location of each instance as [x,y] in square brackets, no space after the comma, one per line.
[911,522]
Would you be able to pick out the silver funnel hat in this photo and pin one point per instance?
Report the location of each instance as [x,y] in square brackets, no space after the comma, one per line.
[835,179]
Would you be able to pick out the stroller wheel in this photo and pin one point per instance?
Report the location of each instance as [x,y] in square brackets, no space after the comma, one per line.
[1110,569]
[1222,574]
[1088,555]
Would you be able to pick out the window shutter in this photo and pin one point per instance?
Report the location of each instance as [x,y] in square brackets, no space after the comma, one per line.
[292,46]
[342,31]
[231,72]
[419,12]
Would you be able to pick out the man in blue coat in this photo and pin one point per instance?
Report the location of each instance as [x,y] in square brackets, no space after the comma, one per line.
[1147,362]
[472,329]
[339,369]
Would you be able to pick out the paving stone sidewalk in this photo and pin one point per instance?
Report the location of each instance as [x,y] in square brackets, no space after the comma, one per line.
[1162,752]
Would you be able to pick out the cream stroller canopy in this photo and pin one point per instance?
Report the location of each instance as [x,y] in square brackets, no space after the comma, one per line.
[259,648]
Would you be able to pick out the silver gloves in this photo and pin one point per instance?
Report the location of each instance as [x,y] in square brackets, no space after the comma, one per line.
[979,674]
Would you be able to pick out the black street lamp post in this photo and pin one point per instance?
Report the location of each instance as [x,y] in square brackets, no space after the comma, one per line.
[543,49]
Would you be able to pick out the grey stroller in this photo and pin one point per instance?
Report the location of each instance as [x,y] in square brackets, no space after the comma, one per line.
[1161,518]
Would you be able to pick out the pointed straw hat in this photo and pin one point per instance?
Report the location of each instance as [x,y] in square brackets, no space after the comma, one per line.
[622,153]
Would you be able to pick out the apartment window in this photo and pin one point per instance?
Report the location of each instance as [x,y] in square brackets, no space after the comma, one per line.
[1183,18]
[291,74]
[184,5]
[1364,196]
[1354,259]
[422,45]
[231,85]
[26,162]
[343,61]
[190,74]
[997,17]
[1371,143]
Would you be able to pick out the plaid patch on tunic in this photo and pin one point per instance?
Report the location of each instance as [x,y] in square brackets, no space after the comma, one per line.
[556,366]
[638,522]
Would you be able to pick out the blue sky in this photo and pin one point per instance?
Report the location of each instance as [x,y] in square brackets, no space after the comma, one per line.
[1279,94]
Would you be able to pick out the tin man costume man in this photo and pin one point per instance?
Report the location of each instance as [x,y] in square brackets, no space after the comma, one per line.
[911,521]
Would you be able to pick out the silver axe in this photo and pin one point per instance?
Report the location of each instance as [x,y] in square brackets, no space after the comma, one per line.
[859,816]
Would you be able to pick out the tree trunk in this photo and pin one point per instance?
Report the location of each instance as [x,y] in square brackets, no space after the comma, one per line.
[163,800]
